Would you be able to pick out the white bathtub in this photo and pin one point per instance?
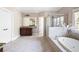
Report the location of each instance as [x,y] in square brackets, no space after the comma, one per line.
[69,44]
[58,36]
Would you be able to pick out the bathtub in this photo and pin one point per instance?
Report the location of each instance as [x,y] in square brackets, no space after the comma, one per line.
[69,44]
[60,41]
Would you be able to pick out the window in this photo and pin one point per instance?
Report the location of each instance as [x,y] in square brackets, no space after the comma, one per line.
[62,20]
[58,21]
[76,17]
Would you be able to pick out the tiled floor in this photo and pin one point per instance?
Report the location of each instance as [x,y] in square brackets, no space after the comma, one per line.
[29,44]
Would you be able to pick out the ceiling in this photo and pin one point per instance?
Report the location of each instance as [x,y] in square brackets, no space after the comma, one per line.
[37,9]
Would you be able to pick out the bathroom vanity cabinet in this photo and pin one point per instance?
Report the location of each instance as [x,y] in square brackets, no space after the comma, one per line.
[25,31]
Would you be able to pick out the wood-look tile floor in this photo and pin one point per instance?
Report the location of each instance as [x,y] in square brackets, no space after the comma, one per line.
[29,44]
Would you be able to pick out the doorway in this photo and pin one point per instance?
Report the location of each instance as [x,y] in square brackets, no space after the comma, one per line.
[41,26]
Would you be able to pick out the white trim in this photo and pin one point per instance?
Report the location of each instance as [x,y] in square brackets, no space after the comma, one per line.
[14,38]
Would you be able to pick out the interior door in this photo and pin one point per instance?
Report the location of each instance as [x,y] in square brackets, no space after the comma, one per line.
[5,26]
[41,26]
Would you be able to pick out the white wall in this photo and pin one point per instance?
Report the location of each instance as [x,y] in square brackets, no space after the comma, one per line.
[16,23]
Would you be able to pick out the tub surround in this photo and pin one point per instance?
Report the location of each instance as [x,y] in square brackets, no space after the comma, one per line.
[61,39]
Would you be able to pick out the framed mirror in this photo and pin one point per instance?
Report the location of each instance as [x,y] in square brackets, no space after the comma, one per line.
[29,21]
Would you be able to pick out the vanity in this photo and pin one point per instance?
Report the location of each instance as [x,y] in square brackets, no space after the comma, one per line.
[25,31]
[29,25]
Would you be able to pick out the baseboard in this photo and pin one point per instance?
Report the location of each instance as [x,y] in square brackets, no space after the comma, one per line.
[15,37]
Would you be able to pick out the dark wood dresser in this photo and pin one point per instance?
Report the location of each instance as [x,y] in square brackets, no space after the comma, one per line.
[25,31]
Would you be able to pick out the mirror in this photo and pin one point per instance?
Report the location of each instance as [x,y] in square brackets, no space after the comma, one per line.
[29,21]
